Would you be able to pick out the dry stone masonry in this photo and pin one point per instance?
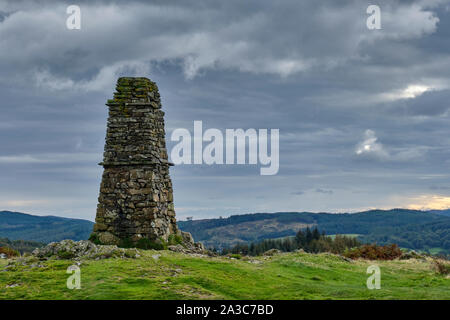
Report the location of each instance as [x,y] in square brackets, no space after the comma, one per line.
[136,200]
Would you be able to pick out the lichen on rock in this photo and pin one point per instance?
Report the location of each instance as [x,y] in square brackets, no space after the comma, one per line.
[84,249]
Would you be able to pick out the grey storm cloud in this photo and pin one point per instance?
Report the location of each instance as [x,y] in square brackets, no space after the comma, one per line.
[432,103]
[313,71]
[260,37]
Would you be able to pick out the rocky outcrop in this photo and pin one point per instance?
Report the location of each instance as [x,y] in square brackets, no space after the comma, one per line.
[68,249]
[188,245]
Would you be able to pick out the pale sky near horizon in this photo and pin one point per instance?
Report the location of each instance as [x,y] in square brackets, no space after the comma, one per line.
[363,114]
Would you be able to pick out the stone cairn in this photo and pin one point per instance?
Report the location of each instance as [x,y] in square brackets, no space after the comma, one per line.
[136,200]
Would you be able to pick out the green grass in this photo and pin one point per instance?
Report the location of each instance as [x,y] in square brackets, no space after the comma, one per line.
[178,276]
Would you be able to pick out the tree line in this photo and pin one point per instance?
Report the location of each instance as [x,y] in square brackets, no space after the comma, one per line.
[310,240]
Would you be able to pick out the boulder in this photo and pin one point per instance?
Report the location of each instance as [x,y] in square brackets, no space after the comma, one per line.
[411,255]
[271,252]
[188,245]
[187,238]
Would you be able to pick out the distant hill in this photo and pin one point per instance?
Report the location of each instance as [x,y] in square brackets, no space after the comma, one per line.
[441,212]
[412,229]
[419,230]
[21,226]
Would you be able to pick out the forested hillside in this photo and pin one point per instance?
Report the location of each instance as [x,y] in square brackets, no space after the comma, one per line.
[21,226]
[420,230]
[20,245]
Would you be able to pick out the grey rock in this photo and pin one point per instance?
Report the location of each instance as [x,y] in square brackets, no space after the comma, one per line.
[271,252]
[84,249]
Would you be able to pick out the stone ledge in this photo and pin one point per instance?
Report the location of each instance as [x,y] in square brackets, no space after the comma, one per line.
[134,163]
[134,104]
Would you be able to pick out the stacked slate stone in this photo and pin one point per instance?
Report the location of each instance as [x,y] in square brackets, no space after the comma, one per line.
[136,200]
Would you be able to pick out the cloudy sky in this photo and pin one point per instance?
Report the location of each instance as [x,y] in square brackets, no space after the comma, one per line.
[364,115]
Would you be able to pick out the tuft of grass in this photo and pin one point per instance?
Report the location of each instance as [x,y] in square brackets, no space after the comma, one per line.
[126,243]
[94,239]
[9,252]
[148,244]
[442,267]
[174,240]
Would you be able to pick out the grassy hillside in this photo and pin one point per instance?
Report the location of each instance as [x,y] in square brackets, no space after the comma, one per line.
[409,228]
[179,276]
[21,226]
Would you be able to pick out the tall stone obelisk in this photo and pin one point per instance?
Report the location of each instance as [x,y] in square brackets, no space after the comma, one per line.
[136,198]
